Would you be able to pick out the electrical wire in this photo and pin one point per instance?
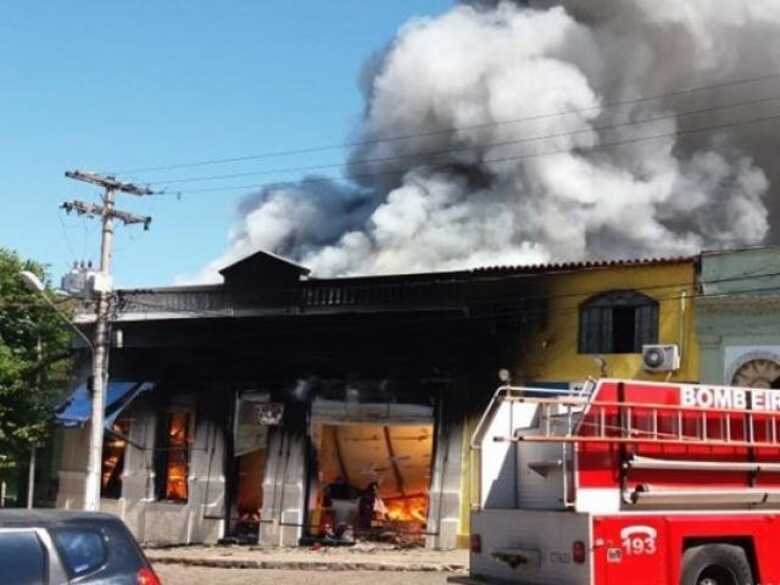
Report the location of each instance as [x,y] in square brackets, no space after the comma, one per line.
[436,153]
[451,129]
[528,156]
[65,235]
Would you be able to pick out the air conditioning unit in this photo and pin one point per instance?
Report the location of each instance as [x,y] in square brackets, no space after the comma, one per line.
[660,358]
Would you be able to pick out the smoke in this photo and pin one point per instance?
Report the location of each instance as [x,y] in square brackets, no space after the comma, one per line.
[525,132]
[293,220]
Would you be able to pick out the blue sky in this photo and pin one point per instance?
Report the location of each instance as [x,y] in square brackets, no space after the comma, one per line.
[112,86]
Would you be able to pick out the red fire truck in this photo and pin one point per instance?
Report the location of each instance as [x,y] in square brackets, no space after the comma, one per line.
[628,483]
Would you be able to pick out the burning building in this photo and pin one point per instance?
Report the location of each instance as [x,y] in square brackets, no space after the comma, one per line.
[268,403]
[281,407]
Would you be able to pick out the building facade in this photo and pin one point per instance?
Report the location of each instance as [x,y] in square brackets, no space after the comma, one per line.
[261,407]
[597,317]
[739,317]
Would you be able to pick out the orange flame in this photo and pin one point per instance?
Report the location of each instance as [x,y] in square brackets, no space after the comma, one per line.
[411,509]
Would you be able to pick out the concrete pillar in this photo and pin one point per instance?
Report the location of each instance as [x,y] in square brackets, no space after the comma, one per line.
[284,489]
[445,495]
[73,470]
[207,483]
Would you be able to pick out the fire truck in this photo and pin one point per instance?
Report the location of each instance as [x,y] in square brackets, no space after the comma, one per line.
[628,483]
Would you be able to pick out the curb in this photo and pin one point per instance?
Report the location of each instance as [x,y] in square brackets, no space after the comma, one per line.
[310,565]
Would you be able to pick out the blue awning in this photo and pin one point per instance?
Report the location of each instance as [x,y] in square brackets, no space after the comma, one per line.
[77,410]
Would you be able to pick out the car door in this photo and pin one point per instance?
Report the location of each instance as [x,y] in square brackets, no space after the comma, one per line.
[99,553]
[27,557]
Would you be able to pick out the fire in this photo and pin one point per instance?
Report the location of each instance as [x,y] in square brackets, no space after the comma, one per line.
[411,509]
[176,487]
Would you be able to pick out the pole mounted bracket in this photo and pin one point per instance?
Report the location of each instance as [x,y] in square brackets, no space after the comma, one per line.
[93,210]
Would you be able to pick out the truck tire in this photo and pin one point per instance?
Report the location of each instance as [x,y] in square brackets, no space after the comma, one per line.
[716,564]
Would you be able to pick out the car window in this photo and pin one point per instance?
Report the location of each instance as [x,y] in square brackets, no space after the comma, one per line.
[22,558]
[82,551]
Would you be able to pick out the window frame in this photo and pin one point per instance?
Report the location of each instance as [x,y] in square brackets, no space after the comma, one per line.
[72,573]
[596,334]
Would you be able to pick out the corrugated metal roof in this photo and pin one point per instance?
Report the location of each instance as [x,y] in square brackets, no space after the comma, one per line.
[445,274]
[433,289]
[585,265]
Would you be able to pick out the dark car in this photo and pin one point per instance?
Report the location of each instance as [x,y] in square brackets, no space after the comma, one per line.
[52,547]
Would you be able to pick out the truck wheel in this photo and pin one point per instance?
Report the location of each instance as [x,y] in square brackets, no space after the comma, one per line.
[716,564]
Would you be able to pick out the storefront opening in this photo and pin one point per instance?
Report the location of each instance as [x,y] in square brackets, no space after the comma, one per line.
[372,481]
[249,503]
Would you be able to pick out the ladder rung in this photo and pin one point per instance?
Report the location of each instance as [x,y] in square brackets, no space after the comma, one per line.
[635,422]
[687,441]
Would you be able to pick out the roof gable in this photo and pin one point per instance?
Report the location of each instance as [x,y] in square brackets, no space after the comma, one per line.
[263,267]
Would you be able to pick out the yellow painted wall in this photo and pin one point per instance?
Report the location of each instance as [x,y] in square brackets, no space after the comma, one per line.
[551,353]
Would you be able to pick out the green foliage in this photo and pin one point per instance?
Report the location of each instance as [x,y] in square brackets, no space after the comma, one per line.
[30,385]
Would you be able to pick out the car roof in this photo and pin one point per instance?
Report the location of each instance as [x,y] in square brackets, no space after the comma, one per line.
[44,518]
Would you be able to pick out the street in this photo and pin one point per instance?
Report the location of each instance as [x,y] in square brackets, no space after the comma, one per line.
[182,575]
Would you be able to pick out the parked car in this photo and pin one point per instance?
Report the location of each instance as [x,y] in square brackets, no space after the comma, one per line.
[53,547]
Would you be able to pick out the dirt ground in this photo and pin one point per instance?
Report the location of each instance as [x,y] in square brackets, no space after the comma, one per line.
[360,557]
[181,575]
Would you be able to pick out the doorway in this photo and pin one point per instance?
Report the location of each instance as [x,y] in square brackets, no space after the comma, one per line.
[372,481]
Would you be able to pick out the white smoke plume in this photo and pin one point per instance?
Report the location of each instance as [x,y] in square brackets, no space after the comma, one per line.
[547,159]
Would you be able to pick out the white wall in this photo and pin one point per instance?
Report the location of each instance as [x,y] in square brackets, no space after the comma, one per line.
[499,460]
[283,489]
[200,520]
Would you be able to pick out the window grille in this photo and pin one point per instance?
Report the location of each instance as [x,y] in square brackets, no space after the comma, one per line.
[618,322]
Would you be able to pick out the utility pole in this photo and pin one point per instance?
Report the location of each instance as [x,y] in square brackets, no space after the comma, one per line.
[33,448]
[107,213]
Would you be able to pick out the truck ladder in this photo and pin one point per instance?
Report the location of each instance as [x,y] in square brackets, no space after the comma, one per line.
[580,419]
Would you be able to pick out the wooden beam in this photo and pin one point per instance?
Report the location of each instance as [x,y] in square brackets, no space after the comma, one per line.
[399,480]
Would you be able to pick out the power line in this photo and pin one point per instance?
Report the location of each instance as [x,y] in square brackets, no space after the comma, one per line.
[435,153]
[66,237]
[528,156]
[448,130]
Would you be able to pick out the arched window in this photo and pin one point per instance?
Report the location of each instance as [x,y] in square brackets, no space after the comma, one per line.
[619,321]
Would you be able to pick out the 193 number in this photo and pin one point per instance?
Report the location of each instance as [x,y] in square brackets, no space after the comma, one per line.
[639,540]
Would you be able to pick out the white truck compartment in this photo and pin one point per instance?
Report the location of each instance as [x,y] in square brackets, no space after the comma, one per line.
[525,528]
[537,476]
[530,547]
